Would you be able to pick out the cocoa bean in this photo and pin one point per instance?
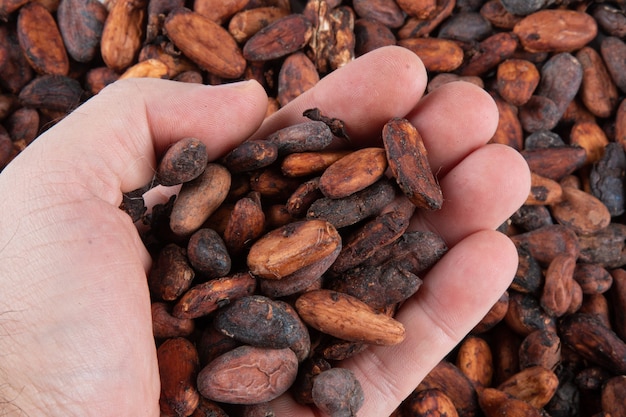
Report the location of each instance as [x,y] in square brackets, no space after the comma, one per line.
[337,392]
[248,375]
[184,161]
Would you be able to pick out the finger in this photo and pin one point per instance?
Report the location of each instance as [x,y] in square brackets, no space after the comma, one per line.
[387,82]
[454,120]
[115,138]
[454,297]
[481,192]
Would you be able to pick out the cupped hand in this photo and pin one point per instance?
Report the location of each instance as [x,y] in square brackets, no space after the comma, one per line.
[75,330]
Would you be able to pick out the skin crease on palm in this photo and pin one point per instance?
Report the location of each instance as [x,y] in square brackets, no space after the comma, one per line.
[75,331]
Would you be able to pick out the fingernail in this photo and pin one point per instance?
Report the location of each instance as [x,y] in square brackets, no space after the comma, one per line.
[239,85]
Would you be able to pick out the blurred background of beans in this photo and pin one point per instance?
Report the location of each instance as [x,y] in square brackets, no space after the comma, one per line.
[554,345]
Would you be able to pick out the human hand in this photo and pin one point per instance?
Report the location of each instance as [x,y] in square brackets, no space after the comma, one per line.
[75,330]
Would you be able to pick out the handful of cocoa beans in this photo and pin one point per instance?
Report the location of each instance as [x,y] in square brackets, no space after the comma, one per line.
[281,259]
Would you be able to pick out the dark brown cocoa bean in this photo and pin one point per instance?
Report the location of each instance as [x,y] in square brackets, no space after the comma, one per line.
[342,212]
[165,325]
[379,286]
[375,233]
[184,161]
[595,342]
[52,92]
[208,254]
[408,161]
[337,392]
[178,368]
[371,34]
[259,321]
[81,24]
[171,274]
[592,278]
[540,348]
[245,224]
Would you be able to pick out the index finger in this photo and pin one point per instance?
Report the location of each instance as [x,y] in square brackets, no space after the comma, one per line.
[387,82]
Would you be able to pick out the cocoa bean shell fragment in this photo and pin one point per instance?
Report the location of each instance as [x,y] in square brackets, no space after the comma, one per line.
[408,161]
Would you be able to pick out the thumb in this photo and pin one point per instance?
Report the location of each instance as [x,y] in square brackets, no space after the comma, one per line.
[113,140]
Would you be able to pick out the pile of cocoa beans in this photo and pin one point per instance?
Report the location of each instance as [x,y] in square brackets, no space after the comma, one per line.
[281,259]
[555,342]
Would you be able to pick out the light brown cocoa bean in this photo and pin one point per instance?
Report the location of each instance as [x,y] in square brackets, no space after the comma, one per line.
[297,75]
[245,224]
[543,191]
[41,42]
[205,42]
[581,211]
[290,248]
[446,377]
[555,30]
[123,34]
[278,39]
[612,398]
[494,402]
[353,172]
[219,11]
[589,136]
[198,199]
[348,318]
[245,23]
[202,299]
[593,278]
[535,385]
[491,52]
[598,91]
[494,316]
[517,80]
[437,54]
[509,130]
[386,12]
[309,163]
[475,361]
[371,34]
